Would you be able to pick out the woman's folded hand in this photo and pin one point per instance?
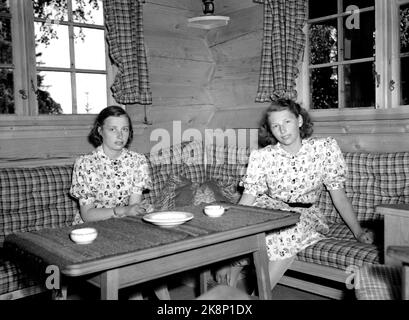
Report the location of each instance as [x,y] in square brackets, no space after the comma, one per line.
[365,236]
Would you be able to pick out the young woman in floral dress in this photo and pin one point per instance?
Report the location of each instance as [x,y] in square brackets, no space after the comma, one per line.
[109,181]
[289,173]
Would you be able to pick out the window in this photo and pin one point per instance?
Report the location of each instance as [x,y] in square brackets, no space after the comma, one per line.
[347,63]
[341,53]
[400,74]
[53,57]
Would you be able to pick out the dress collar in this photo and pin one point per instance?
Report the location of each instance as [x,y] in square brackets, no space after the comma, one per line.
[100,153]
[302,151]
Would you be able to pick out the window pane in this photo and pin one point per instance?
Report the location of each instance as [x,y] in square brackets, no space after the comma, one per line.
[359,32]
[54,92]
[404,28]
[54,53]
[323,42]
[319,8]
[90,12]
[6,91]
[89,48]
[5,42]
[91,93]
[324,88]
[404,78]
[359,85]
[51,10]
[358,3]
[4,6]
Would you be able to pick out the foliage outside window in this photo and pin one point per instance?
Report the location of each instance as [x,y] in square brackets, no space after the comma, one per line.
[67,47]
[404,53]
[341,54]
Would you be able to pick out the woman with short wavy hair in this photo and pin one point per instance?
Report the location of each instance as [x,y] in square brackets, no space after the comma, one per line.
[288,173]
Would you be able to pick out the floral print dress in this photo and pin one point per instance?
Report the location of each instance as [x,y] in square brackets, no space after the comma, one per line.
[109,183]
[276,177]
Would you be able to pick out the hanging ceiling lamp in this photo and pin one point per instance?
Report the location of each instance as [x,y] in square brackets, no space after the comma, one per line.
[208,20]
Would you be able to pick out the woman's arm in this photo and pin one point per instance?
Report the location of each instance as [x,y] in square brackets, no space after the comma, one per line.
[90,213]
[344,207]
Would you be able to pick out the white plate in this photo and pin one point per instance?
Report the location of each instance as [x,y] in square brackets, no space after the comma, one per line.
[168,218]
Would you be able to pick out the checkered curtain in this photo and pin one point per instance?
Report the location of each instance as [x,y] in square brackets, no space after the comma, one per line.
[127,50]
[283,43]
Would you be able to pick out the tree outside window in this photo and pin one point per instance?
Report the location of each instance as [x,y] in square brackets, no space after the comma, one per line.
[70,74]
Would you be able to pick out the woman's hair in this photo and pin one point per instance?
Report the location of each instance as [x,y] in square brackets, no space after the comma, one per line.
[111,111]
[266,137]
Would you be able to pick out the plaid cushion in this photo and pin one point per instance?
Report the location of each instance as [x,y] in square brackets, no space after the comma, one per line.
[12,277]
[185,160]
[35,198]
[373,179]
[378,282]
[226,164]
[340,250]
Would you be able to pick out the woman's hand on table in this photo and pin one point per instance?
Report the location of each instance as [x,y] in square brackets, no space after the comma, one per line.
[134,209]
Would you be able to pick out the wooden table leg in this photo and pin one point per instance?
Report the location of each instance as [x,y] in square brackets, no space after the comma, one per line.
[203,280]
[261,263]
[405,282]
[109,285]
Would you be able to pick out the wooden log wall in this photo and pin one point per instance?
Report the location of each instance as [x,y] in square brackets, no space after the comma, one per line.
[199,79]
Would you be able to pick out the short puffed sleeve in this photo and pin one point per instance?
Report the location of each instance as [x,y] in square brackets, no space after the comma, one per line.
[80,186]
[141,177]
[335,169]
[254,181]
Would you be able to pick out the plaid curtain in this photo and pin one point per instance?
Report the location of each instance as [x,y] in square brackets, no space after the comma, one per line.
[283,43]
[127,50]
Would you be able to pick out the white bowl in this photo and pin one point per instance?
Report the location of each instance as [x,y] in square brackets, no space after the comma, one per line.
[83,235]
[214,211]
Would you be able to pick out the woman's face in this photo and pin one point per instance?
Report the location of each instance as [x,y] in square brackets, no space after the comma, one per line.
[114,133]
[285,127]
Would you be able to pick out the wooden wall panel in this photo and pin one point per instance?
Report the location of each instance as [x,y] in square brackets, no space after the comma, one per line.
[199,80]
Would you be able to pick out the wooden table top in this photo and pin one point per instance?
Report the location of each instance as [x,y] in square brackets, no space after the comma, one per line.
[131,239]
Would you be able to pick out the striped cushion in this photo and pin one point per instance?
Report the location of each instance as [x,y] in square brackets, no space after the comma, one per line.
[185,160]
[373,179]
[378,282]
[35,198]
[340,250]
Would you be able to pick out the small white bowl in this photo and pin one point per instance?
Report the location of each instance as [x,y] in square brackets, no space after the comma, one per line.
[83,235]
[214,211]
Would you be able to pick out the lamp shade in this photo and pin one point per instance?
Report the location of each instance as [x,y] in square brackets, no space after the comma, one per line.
[208,20]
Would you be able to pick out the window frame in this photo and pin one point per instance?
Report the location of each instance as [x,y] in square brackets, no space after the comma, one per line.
[386,65]
[25,69]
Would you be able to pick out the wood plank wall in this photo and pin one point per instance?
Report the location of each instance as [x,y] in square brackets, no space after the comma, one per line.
[199,80]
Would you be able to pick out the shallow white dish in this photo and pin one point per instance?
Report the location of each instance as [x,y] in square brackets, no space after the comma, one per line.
[168,218]
[214,211]
[83,235]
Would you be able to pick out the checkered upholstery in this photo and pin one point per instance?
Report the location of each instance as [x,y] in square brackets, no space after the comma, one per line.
[378,282]
[35,198]
[184,160]
[340,250]
[12,278]
[373,179]
[225,163]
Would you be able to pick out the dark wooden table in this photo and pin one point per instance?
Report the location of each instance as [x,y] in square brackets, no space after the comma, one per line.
[129,250]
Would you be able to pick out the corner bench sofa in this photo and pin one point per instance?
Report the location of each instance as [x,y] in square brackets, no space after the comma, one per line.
[34,198]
